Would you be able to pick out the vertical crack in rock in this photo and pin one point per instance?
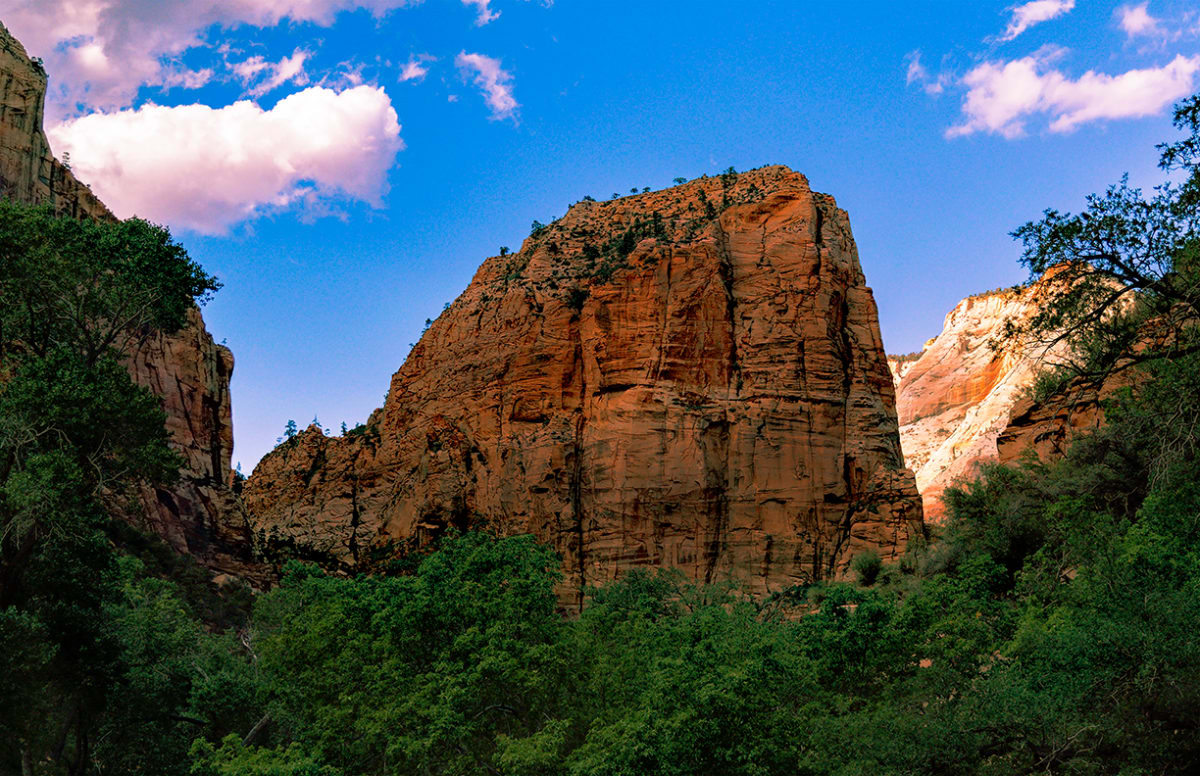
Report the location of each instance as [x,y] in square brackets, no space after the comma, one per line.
[715,440]
[355,518]
[579,376]
[725,270]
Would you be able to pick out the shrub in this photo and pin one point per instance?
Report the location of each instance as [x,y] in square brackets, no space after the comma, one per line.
[866,567]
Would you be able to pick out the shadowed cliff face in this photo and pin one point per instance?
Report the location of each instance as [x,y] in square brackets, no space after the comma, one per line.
[1047,428]
[199,514]
[689,378]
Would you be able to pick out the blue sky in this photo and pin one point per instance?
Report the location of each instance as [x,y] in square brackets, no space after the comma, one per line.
[337,232]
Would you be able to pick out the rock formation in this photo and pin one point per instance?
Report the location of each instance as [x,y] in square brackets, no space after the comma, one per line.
[899,365]
[28,171]
[199,514]
[690,378]
[1046,428]
[955,399]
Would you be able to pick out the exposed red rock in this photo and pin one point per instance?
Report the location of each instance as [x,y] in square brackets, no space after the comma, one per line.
[955,399]
[200,514]
[690,378]
[1047,428]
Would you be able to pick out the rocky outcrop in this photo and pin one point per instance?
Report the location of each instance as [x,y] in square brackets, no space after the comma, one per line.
[899,365]
[690,378]
[1045,429]
[199,514]
[28,170]
[956,398]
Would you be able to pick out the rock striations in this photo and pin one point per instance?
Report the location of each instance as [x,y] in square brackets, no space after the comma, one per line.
[955,399]
[690,378]
[199,514]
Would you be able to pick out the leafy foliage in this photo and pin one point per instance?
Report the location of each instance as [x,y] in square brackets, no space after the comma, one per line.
[1125,260]
[100,657]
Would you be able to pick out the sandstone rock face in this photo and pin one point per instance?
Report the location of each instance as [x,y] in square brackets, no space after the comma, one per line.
[899,366]
[690,378]
[200,514]
[1047,428]
[956,398]
[28,171]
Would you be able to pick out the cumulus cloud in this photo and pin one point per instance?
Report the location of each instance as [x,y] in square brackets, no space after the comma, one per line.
[1002,96]
[1034,12]
[207,169]
[494,82]
[102,51]
[1136,21]
[483,11]
[262,76]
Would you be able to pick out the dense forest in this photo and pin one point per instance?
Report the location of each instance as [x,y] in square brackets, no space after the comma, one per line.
[1051,626]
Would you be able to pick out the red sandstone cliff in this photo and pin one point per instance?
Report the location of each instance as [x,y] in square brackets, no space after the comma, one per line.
[1046,428]
[691,378]
[200,514]
[955,399]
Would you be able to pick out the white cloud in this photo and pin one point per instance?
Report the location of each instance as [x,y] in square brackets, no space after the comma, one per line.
[1137,21]
[1034,12]
[414,69]
[1001,96]
[206,169]
[262,76]
[102,51]
[915,73]
[493,81]
[484,13]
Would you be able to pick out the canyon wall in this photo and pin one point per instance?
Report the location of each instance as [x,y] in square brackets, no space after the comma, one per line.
[691,378]
[955,399]
[1046,428]
[28,170]
[199,514]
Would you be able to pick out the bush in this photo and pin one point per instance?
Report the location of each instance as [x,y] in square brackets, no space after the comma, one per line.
[866,566]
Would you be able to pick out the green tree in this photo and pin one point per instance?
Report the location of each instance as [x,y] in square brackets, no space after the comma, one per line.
[92,653]
[1126,258]
[420,673]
